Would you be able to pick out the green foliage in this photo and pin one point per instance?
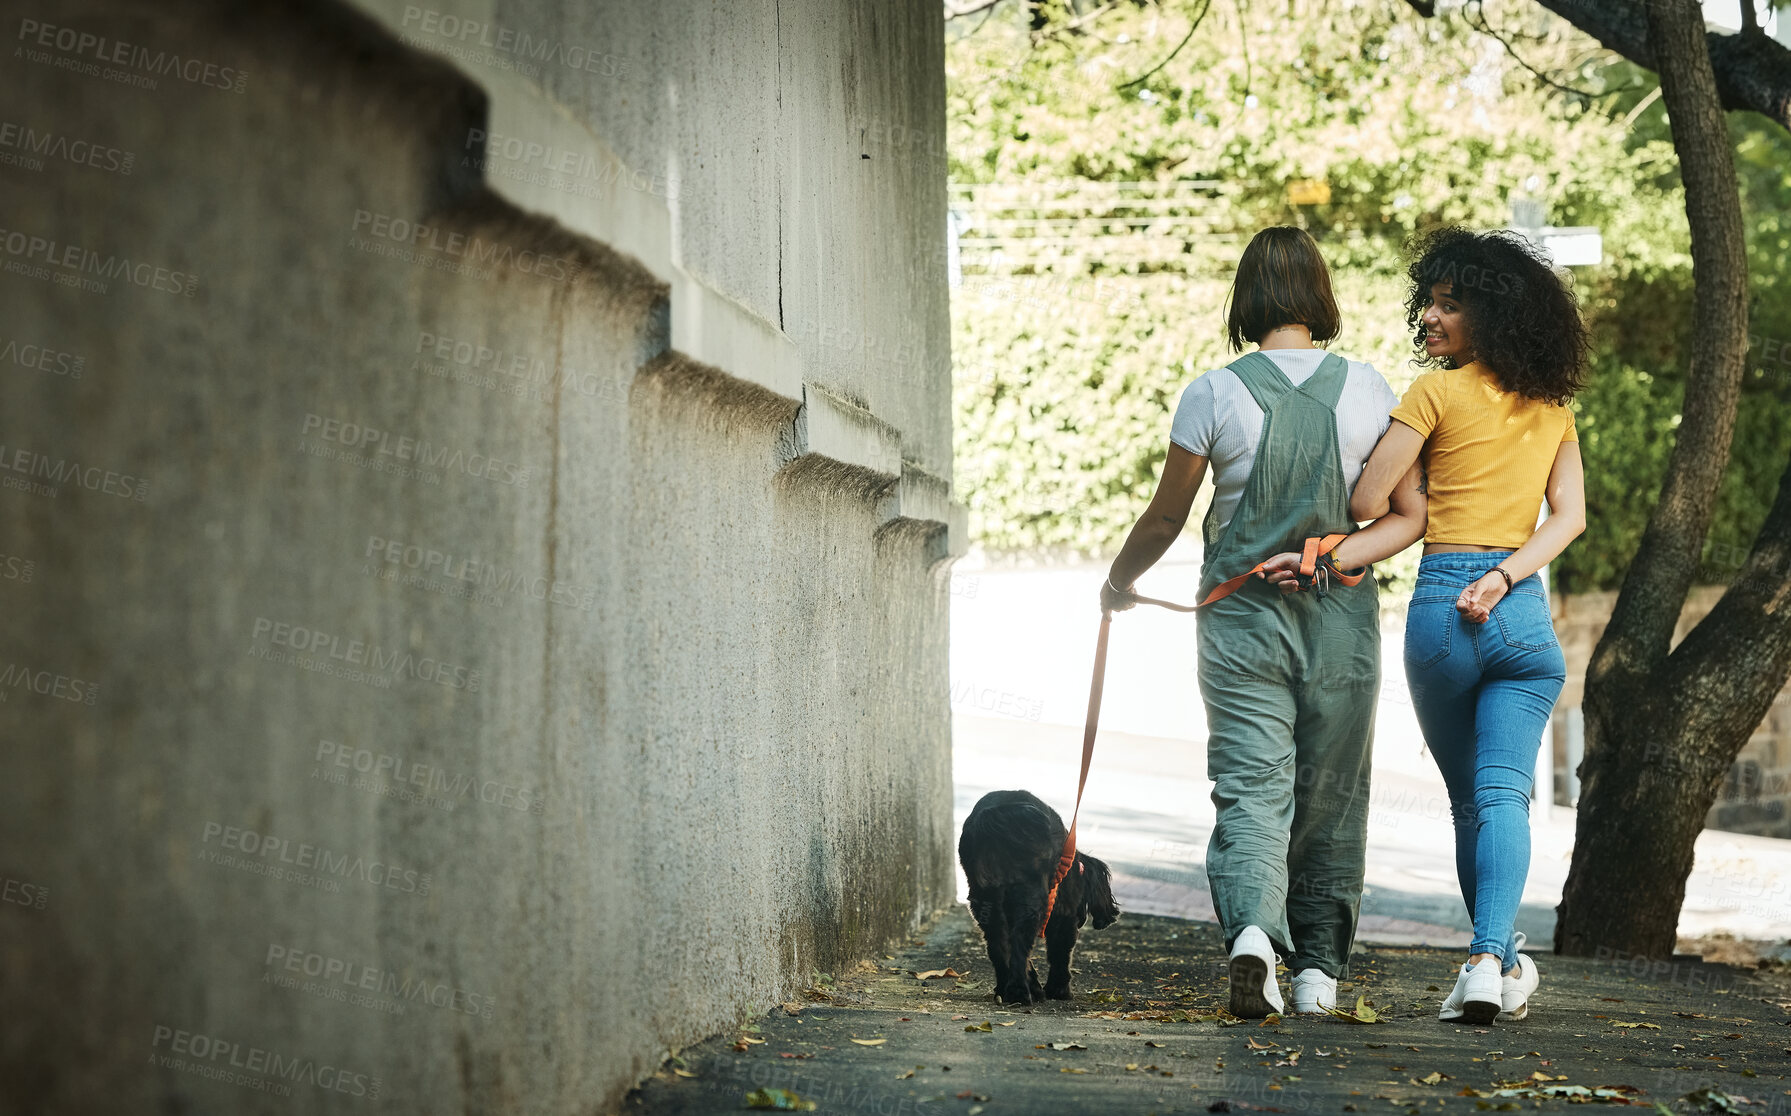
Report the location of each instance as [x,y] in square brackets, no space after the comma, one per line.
[1066,379]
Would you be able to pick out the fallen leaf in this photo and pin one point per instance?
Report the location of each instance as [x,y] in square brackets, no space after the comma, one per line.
[1362,1014]
[792,1008]
[904,1076]
[1156,1044]
[955,1018]
[789,1055]
[1648,1026]
[753,1041]
[1435,1077]
[780,1099]
[983,1026]
[870,1042]
[1254,1045]
[1067,1069]
[931,973]
[682,1072]
[1060,1046]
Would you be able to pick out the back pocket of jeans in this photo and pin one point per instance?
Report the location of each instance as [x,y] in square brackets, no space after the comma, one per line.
[1524,621]
[1430,621]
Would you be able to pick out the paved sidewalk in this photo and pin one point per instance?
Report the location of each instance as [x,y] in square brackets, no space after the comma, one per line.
[1145,1034]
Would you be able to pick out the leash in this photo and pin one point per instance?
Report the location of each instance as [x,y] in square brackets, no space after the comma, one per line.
[1315,566]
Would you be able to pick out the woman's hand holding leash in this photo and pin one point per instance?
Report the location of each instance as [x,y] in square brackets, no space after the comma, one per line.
[1283,571]
[1116,600]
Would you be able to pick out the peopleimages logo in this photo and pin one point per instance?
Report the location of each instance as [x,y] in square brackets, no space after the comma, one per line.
[435,783]
[429,562]
[30,464]
[369,442]
[542,164]
[341,978]
[515,373]
[511,42]
[473,249]
[37,146]
[76,45]
[41,358]
[27,249]
[233,1062]
[48,684]
[280,852]
[305,645]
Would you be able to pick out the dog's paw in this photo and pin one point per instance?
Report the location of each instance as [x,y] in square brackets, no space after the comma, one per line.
[1058,990]
[1017,994]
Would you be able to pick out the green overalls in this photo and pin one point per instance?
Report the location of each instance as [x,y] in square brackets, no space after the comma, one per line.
[1290,683]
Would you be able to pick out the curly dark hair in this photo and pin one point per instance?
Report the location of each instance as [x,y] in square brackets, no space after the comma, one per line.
[1522,318]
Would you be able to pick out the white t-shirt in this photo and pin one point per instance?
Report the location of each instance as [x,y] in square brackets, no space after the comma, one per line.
[1219,420]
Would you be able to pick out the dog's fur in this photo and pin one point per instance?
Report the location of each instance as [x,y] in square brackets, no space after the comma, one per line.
[1009,848]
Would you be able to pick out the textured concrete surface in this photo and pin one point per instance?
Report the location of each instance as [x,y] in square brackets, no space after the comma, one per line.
[1147,1032]
[427,686]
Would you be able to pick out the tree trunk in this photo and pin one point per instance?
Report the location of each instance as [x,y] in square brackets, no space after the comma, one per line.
[1663,726]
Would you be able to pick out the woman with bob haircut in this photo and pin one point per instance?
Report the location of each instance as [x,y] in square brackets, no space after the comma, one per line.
[1491,426]
[1289,679]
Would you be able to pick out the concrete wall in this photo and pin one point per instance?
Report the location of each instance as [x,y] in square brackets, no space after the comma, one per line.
[1756,797]
[445,670]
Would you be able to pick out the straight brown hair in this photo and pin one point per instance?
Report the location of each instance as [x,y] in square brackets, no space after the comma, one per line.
[1281,280]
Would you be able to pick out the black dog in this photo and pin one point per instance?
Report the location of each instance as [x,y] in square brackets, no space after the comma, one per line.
[1010,848]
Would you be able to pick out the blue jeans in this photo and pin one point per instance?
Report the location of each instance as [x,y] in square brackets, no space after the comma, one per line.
[1483,694]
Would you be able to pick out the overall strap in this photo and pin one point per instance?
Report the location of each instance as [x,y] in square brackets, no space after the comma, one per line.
[1262,378]
[1326,384]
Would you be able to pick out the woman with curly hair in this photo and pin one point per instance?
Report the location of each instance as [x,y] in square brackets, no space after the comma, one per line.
[1491,426]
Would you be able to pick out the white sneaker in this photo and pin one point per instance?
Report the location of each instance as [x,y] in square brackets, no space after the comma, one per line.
[1314,991]
[1254,992]
[1515,989]
[1477,998]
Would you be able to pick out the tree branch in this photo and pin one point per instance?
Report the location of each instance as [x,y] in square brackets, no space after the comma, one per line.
[1178,48]
[953,11]
[1475,13]
[1737,658]
[1753,72]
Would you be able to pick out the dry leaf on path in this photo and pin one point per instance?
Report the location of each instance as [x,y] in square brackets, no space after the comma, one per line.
[931,973]
[870,1042]
[781,1100]
[1362,1014]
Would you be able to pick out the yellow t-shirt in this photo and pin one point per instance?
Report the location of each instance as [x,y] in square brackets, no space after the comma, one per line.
[1487,454]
